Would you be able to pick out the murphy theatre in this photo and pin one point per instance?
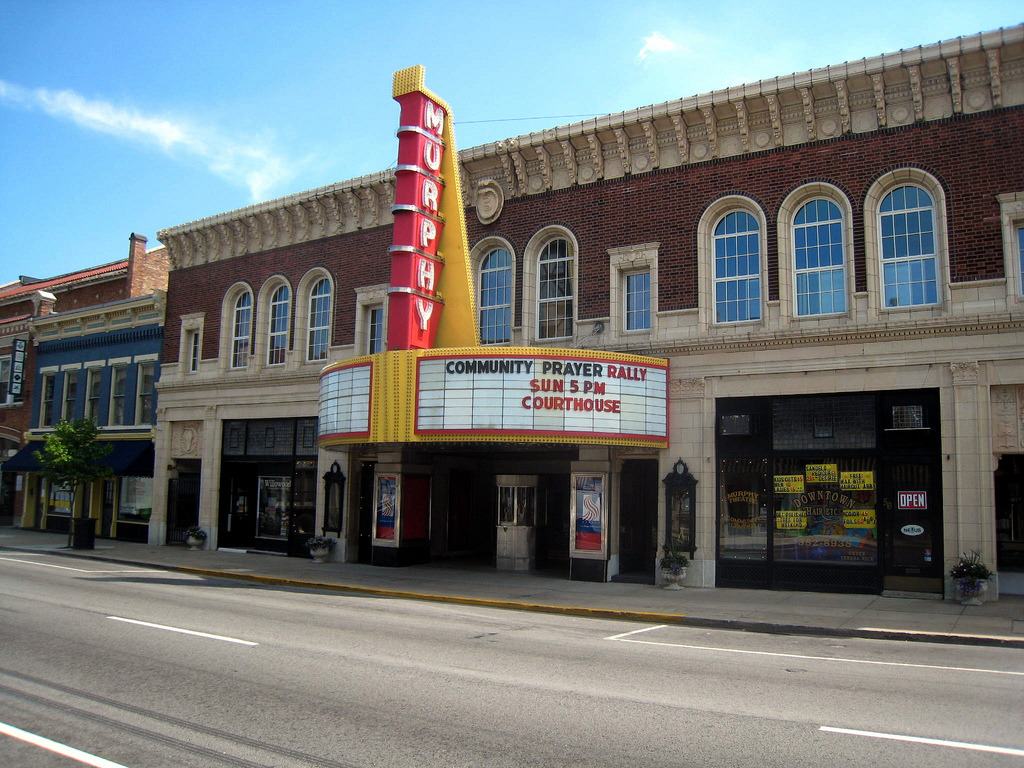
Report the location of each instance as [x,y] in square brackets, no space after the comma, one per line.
[778,327]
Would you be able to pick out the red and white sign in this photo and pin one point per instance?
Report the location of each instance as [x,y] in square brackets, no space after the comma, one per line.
[413,307]
[912,500]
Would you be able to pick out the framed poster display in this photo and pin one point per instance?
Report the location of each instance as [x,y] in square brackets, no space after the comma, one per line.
[385,509]
[589,514]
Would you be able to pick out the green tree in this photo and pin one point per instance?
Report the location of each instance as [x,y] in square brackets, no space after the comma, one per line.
[73,457]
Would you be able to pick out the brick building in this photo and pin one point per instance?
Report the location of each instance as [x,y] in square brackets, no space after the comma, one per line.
[827,266]
[74,330]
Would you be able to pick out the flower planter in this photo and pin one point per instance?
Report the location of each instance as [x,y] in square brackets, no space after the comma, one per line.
[320,555]
[673,580]
[972,591]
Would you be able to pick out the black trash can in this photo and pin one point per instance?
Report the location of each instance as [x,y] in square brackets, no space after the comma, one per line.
[83,533]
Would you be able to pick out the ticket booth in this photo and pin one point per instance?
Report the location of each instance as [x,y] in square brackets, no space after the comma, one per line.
[517,522]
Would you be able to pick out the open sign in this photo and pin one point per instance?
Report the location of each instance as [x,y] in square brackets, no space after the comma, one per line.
[912,500]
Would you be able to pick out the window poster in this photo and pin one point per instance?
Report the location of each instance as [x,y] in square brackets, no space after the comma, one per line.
[272,520]
[825,511]
[588,513]
[386,506]
[136,498]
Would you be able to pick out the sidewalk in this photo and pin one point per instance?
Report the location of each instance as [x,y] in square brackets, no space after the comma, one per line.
[998,623]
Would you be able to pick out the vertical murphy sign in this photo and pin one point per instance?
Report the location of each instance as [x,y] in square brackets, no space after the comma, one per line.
[429,230]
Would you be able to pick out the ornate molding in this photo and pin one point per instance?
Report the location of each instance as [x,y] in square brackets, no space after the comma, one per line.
[965,373]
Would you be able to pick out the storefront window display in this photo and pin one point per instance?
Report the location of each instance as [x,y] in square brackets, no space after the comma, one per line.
[272,521]
[825,511]
[743,509]
[136,499]
[588,512]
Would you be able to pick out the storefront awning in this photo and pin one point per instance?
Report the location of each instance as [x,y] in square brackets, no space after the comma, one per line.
[23,460]
[127,458]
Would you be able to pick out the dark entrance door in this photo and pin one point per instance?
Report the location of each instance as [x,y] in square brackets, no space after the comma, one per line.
[238,510]
[182,506]
[912,527]
[364,552]
[638,518]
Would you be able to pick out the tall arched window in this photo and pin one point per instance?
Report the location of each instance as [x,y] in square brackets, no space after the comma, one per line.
[277,330]
[819,262]
[496,297]
[555,289]
[319,329]
[906,225]
[241,331]
[737,283]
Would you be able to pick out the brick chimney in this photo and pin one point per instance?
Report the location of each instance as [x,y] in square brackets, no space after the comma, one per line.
[147,271]
[42,303]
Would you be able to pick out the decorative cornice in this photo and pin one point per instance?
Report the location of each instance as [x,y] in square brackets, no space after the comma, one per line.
[966,75]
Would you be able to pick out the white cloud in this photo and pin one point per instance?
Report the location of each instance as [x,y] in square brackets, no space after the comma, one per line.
[239,160]
[656,43]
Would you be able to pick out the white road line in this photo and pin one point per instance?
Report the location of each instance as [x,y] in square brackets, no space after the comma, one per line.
[184,631]
[60,749]
[935,742]
[624,639]
[635,632]
[78,570]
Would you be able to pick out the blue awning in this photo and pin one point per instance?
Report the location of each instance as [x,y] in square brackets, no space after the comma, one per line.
[127,458]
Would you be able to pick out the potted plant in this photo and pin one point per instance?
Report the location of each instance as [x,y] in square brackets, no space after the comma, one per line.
[195,537]
[320,547]
[673,566]
[971,575]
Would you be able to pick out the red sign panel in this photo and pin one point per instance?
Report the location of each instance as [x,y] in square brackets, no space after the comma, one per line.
[912,500]
[413,309]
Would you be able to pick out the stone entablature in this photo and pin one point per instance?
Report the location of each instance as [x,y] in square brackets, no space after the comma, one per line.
[103,318]
[963,76]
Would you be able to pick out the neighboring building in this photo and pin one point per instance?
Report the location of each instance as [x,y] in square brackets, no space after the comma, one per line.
[94,353]
[821,272]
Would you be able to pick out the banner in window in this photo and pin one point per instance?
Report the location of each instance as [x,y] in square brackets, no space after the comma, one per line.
[831,517]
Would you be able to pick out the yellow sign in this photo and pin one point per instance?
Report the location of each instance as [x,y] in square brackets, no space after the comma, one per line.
[822,473]
[861,518]
[789,483]
[790,521]
[857,481]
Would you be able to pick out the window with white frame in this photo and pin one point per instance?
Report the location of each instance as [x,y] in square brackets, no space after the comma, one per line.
[737,268]
[819,259]
[1020,254]
[93,379]
[241,331]
[318,335]
[374,329]
[192,345]
[146,394]
[638,301]
[909,256]
[118,392]
[277,328]
[556,268]
[70,395]
[496,297]
[46,403]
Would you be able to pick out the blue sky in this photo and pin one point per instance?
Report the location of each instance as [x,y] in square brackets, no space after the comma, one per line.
[120,117]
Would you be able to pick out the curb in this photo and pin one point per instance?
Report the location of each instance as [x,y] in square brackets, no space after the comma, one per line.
[676,619]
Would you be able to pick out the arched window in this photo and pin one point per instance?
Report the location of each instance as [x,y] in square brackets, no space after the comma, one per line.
[906,226]
[496,297]
[737,281]
[241,331]
[319,328]
[555,290]
[277,328]
[819,261]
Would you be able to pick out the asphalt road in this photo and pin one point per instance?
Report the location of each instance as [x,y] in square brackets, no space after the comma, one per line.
[148,668]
